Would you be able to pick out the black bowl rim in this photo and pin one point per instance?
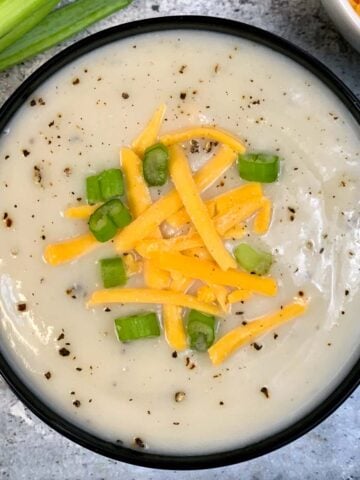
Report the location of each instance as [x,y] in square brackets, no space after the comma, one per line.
[40,408]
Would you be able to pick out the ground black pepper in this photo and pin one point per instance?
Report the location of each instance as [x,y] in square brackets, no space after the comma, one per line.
[179,396]
[47,375]
[257,346]
[265,391]
[22,307]
[138,442]
[77,403]
[64,352]
[125,95]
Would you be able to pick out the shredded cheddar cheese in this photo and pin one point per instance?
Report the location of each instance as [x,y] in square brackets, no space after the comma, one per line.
[221,203]
[67,250]
[263,217]
[148,295]
[244,334]
[181,175]
[210,273]
[149,136]
[80,212]
[239,296]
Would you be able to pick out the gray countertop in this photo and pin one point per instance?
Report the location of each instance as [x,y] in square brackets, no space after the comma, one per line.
[29,449]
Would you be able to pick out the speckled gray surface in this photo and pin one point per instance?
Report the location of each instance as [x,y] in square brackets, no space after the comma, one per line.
[29,449]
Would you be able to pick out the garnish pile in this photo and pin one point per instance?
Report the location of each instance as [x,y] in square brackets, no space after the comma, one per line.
[195,253]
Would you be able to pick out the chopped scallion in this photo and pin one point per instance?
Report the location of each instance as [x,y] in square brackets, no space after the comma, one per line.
[101,225]
[252,260]
[93,192]
[60,24]
[201,330]
[135,327]
[113,272]
[118,213]
[259,167]
[155,165]
[108,218]
[111,183]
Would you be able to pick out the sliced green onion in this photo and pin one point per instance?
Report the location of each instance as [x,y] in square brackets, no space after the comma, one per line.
[107,219]
[118,213]
[259,167]
[134,327]
[93,192]
[156,165]
[201,330]
[56,27]
[101,225]
[253,261]
[12,12]
[113,272]
[111,183]
[27,23]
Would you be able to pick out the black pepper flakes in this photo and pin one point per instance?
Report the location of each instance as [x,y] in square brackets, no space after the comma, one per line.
[7,220]
[32,102]
[64,352]
[275,336]
[179,396]
[22,307]
[347,292]
[47,375]
[182,69]
[76,81]
[257,346]
[125,95]
[265,391]
[61,337]
[25,152]
[138,442]
[77,403]
[174,354]
[37,174]
[182,95]
[300,293]
[194,146]
[67,171]
[221,403]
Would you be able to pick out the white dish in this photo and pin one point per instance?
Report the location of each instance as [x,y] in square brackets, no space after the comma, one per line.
[346,20]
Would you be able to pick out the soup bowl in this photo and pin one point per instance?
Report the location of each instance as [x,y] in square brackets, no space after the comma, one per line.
[42,407]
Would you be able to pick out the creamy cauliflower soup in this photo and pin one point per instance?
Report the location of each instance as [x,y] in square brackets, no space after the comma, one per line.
[291,252]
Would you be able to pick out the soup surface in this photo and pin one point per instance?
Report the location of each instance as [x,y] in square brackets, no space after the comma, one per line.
[74,126]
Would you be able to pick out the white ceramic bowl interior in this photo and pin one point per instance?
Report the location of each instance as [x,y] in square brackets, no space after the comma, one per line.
[346,20]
